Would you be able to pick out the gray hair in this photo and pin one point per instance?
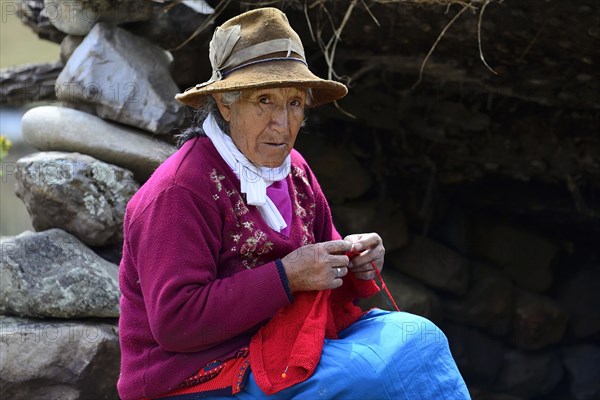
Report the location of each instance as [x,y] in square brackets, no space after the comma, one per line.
[210,107]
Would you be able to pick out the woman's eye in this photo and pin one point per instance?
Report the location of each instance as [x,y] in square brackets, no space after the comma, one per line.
[264,100]
[296,103]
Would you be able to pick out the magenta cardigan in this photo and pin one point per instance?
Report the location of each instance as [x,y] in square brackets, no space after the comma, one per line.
[200,271]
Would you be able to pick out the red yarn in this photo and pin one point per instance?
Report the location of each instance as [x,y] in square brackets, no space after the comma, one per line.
[354,253]
[288,348]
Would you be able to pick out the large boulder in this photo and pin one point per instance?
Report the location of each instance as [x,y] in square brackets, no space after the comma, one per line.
[478,356]
[50,359]
[176,30]
[524,255]
[123,78]
[529,375]
[539,321]
[76,193]
[583,366]
[385,218]
[579,296]
[488,305]
[328,161]
[77,17]
[433,264]
[65,129]
[52,274]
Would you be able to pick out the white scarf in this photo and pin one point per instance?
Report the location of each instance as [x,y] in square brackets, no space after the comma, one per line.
[254,180]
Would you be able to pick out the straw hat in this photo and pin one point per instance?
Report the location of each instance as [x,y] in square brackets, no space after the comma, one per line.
[259,49]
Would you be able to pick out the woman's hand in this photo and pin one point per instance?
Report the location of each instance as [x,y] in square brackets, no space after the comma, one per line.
[317,266]
[370,247]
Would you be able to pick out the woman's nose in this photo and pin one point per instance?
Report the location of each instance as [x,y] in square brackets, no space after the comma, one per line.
[280,118]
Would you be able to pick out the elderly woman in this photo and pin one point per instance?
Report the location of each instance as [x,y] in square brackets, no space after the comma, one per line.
[235,282]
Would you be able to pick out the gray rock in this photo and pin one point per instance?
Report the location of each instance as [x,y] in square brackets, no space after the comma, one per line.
[583,365]
[525,256]
[433,264]
[68,46]
[370,216]
[65,129]
[454,229]
[478,356]
[489,304]
[529,375]
[124,78]
[579,295]
[77,17]
[35,16]
[51,359]
[76,193]
[200,6]
[410,296]
[52,274]
[539,321]
[328,161]
[160,31]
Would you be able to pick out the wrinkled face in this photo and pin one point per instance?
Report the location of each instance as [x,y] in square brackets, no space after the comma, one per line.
[264,123]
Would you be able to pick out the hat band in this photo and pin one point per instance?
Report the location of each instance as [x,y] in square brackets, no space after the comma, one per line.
[262,60]
[262,49]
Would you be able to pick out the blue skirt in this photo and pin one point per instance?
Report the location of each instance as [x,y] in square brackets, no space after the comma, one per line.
[383,355]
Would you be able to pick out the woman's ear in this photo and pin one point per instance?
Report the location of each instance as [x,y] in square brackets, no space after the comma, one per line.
[224,109]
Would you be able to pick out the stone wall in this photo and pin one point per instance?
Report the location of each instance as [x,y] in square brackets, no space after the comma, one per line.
[59,295]
[489,231]
[513,288]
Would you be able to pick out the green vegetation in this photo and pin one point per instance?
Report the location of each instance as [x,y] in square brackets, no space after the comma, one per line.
[4,146]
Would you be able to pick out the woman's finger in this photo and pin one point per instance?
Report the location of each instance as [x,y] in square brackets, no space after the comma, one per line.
[364,241]
[336,246]
[339,272]
[338,260]
[366,257]
[362,268]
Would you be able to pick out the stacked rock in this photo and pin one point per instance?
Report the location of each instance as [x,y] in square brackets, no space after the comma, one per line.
[59,293]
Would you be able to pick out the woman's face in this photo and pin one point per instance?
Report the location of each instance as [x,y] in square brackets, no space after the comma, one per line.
[264,123]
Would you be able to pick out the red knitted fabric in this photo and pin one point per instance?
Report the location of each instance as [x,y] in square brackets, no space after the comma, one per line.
[287,350]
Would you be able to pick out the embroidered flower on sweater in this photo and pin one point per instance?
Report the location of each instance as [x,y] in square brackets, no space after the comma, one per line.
[254,247]
[304,206]
[306,236]
[240,208]
[296,171]
[252,242]
[300,211]
[299,172]
[216,179]
[267,247]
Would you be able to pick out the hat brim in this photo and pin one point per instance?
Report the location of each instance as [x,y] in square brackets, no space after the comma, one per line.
[266,75]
